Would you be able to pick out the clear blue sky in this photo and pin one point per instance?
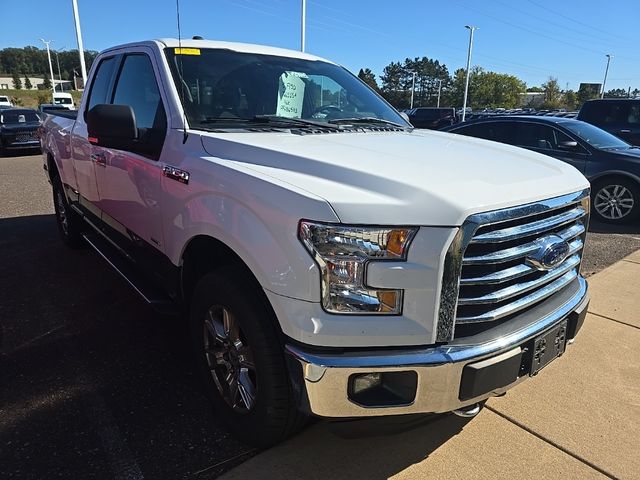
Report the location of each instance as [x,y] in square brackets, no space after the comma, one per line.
[532,39]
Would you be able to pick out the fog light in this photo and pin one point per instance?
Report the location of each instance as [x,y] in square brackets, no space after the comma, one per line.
[388,389]
[365,382]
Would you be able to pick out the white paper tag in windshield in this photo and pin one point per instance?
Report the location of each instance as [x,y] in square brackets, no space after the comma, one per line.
[290,94]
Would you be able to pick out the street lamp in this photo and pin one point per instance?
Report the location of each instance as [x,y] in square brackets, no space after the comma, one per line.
[58,62]
[439,90]
[53,80]
[413,87]
[604,82]
[466,83]
[83,67]
[303,21]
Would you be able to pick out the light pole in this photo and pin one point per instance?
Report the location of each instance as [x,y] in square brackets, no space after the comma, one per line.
[439,90]
[83,67]
[58,62]
[466,83]
[53,80]
[604,82]
[413,87]
[303,22]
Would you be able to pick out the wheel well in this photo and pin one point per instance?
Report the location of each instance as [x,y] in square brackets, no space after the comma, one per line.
[52,168]
[610,176]
[203,255]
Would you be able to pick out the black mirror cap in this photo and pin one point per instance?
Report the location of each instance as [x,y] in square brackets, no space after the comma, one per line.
[112,126]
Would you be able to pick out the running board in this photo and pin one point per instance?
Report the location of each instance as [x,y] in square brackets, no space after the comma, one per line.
[151,294]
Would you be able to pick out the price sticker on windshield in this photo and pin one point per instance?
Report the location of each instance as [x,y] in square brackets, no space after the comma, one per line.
[290,95]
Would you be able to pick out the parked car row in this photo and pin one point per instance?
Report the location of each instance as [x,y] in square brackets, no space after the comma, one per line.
[611,164]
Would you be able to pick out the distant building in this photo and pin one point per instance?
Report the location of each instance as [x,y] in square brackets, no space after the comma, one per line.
[531,99]
[6,82]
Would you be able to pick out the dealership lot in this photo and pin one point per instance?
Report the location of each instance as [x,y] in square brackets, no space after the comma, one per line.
[95,384]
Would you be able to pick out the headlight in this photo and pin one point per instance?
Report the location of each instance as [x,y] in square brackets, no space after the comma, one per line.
[342,253]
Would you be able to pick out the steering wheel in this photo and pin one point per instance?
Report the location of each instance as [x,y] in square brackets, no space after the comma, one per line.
[325,111]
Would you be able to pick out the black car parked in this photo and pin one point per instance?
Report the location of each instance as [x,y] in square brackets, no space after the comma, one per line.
[19,129]
[618,116]
[611,164]
[432,118]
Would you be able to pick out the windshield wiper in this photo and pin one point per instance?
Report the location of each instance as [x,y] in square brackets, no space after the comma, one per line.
[270,120]
[347,121]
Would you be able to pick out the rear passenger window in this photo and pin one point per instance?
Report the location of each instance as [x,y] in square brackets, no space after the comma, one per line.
[138,88]
[101,81]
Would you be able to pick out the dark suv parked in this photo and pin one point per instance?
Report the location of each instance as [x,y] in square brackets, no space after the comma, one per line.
[611,164]
[433,118]
[18,129]
[620,116]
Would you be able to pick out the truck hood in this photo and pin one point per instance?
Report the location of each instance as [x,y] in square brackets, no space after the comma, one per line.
[400,178]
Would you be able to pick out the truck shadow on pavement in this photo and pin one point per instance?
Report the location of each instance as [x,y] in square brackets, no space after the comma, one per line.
[93,384]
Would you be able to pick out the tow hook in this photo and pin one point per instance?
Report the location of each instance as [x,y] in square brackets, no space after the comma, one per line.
[469,411]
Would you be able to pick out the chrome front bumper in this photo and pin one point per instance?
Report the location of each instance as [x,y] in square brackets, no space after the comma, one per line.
[321,380]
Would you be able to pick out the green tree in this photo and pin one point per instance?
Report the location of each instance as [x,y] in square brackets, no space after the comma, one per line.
[27,83]
[616,93]
[570,100]
[535,89]
[487,89]
[47,82]
[368,77]
[552,94]
[587,91]
[17,83]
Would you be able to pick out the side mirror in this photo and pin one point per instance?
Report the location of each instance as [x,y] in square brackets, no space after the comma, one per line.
[112,126]
[568,145]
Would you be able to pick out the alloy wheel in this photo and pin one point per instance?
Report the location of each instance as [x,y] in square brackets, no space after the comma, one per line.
[230,359]
[614,202]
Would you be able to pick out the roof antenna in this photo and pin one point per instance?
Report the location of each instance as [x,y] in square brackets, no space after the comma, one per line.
[184,113]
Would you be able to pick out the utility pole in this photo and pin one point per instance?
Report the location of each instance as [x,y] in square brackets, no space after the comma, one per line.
[83,67]
[413,87]
[439,90]
[303,22]
[53,80]
[466,83]
[604,82]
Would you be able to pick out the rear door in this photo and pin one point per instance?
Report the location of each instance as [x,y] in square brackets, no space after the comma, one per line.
[129,181]
[84,161]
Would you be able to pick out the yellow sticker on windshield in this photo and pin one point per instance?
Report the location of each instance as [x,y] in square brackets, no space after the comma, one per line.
[187,51]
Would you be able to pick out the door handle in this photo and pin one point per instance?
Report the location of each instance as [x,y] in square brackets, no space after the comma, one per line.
[99,159]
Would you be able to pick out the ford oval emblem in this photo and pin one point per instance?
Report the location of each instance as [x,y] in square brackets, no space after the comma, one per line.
[552,251]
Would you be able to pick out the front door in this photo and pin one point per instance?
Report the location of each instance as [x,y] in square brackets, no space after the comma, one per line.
[129,182]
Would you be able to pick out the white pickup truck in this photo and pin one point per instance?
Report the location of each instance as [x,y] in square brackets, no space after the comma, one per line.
[330,260]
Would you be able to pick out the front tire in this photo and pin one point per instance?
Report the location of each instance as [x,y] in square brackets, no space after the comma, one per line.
[240,356]
[68,221]
[616,200]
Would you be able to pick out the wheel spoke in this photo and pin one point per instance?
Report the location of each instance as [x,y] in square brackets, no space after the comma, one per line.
[215,326]
[246,388]
[246,358]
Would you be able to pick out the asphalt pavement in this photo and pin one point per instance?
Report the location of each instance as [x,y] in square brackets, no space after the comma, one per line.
[93,384]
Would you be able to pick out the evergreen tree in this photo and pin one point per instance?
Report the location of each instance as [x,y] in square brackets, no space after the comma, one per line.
[17,83]
[47,82]
[27,83]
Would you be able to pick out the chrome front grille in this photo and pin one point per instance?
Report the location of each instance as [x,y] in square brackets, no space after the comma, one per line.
[488,279]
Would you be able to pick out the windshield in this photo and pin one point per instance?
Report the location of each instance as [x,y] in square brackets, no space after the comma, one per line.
[231,88]
[594,136]
[62,101]
[19,116]
[4,99]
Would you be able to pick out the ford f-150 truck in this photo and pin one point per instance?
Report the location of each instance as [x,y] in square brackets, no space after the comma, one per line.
[330,260]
